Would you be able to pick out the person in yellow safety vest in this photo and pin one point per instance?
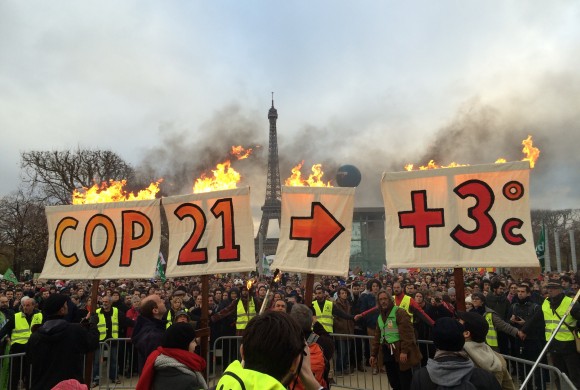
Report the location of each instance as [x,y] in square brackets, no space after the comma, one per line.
[562,349]
[18,329]
[273,353]
[176,306]
[496,324]
[109,320]
[325,310]
[407,303]
[246,309]
[395,339]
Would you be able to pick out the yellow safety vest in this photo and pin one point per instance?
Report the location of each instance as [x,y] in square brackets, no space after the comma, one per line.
[22,330]
[243,317]
[491,338]
[406,304]
[390,329]
[325,316]
[102,326]
[236,378]
[169,317]
[552,320]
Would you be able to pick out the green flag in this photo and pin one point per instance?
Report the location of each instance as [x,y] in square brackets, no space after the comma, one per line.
[160,271]
[9,276]
[541,248]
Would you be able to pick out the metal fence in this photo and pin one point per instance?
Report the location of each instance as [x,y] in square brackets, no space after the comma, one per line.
[115,365]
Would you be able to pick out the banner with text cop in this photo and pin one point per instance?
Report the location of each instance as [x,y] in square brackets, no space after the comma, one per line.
[210,233]
[315,230]
[470,216]
[103,241]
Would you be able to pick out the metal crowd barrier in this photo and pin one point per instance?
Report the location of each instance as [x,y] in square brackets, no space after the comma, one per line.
[349,367]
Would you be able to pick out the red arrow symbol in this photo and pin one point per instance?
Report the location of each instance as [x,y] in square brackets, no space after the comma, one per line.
[320,229]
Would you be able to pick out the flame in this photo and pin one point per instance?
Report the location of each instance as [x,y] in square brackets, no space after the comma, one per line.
[240,153]
[224,177]
[314,179]
[249,284]
[113,192]
[532,153]
[278,277]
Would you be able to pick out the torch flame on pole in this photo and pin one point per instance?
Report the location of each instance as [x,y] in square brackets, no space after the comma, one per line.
[113,192]
[223,177]
[313,180]
[531,154]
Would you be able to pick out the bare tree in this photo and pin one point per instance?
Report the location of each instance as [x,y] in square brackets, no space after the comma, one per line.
[55,174]
[23,228]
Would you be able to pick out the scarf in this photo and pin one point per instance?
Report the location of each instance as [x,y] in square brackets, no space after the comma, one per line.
[191,360]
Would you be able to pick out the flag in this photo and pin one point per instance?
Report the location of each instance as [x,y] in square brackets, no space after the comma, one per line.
[541,247]
[9,276]
[160,273]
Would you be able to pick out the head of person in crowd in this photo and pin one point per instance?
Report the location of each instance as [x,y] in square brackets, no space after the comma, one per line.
[198,301]
[234,293]
[106,303]
[303,317]
[261,291]
[452,294]
[513,289]
[566,282]
[468,303]
[355,289]
[180,335]
[374,285]
[384,301]
[478,300]
[115,296]
[181,316]
[176,303]
[217,296]
[136,302]
[497,287]
[28,305]
[279,305]
[343,294]
[410,289]
[447,334]
[554,288]
[475,325]
[273,344]
[153,307]
[523,292]
[419,298]
[55,306]
[320,293]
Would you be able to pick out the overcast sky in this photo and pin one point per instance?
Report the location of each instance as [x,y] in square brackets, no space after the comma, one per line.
[376,84]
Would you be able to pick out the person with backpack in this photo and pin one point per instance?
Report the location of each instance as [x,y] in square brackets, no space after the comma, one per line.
[451,368]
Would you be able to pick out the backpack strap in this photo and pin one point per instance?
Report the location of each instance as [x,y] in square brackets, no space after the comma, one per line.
[240,381]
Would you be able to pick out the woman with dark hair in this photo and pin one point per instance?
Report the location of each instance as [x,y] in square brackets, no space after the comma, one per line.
[174,365]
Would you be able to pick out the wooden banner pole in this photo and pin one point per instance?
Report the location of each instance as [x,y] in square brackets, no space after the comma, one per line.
[91,356]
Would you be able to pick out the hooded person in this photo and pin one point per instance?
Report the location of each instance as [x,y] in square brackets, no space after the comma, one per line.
[56,349]
[451,367]
[476,328]
[174,365]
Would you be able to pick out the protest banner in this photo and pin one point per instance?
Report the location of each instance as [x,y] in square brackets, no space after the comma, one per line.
[209,233]
[470,216]
[103,240]
[315,230]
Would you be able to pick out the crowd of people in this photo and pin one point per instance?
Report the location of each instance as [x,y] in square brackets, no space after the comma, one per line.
[503,316]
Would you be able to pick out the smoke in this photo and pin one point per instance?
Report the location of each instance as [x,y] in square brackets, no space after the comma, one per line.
[481,130]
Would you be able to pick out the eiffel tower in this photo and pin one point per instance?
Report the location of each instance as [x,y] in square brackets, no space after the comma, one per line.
[272,205]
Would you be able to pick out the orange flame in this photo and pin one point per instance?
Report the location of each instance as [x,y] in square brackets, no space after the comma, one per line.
[532,153]
[113,192]
[249,284]
[314,179]
[224,177]
[278,277]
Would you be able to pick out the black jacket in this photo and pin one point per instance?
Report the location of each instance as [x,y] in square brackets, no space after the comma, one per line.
[56,351]
[147,336]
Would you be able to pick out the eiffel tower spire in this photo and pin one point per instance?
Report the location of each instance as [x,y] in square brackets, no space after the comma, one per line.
[272,205]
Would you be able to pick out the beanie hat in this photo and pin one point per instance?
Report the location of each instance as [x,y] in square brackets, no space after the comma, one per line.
[475,324]
[53,304]
[178,335]
[448,334]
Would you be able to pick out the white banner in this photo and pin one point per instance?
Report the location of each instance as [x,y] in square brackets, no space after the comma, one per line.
[474,216]
[210,233]
[103,241]
[315,231]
